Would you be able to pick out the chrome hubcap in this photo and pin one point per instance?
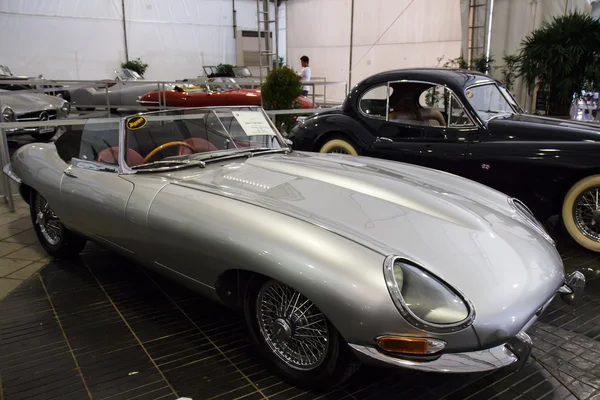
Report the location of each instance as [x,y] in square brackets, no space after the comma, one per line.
[48,222]
[292,326]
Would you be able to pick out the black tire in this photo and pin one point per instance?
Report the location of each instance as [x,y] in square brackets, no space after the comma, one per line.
[67,245]
[44,137]
[338,362]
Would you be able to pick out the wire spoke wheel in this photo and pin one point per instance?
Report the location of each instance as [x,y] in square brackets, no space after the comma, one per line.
[295,330]
[338,150]
[47,222]
[586,213]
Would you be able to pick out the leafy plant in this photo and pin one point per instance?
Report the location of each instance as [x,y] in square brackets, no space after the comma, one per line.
[455,63]
[482,63]
[136,65]
[225,70]
[560,58]
[510,70]
[279,92]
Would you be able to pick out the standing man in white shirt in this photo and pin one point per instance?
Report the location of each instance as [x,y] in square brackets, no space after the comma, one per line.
[304,74]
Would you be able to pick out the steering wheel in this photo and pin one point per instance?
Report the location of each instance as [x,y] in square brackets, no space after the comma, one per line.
[164,146]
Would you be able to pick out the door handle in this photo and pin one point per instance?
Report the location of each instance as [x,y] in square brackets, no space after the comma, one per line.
[70,173]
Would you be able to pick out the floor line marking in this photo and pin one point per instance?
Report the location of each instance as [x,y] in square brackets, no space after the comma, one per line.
[201,331]
[131,330]
[62,330]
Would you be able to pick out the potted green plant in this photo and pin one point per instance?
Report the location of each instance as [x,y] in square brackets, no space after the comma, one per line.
[136,65]
[279,92]
[560,57]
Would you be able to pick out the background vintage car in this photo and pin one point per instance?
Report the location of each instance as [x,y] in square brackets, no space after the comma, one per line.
[28,107]
[7,75]
[332,259]
[466,123]
[121,92]
[212,92]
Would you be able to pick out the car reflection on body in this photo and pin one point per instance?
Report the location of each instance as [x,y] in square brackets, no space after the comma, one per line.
[468,124]
[333,259]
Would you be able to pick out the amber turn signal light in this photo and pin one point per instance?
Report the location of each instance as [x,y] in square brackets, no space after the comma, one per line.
[405,345]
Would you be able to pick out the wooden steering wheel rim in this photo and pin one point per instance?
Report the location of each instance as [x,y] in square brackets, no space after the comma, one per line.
[164,146]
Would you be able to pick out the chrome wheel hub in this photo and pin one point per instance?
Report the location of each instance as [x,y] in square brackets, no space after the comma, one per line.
[292,326]
[47,222]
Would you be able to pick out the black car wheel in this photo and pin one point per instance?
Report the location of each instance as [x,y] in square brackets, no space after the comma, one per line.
[581,212]
[295,336]
[54,237]
[338,145]
[44,137]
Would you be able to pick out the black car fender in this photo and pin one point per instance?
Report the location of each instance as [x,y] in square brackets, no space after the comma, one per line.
[316,130]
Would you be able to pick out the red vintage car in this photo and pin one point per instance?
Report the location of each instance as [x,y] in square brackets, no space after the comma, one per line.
[213,92]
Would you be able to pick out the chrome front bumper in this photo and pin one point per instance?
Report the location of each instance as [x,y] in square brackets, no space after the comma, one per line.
[515,352]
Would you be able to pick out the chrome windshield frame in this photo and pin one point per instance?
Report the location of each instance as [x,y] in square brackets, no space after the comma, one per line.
[124,169]
[488,83]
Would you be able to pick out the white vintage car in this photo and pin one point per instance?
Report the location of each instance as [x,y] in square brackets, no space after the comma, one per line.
[123,91]
[29,107]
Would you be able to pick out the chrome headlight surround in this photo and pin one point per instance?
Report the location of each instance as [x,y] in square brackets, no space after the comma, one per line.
[8,115]
[523,213]
[65,109]
[405,310]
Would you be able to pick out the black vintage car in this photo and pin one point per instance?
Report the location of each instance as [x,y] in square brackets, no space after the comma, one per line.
[468,124]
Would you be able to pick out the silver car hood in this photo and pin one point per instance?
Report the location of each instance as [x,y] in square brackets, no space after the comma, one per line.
[27,102]
[464,232]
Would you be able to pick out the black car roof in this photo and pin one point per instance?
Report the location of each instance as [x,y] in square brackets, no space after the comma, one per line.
[451,77]
[456,79]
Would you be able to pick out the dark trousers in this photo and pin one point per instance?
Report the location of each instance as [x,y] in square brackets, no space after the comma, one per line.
[305,93]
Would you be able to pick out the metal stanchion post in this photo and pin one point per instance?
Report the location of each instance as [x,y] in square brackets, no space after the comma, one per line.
[325,91]
[313,94]
[107,102]
[5,160]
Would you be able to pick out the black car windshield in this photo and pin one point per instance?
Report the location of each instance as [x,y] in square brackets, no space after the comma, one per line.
[179,137]
[489,101]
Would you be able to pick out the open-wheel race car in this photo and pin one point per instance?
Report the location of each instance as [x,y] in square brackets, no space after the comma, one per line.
[333,259]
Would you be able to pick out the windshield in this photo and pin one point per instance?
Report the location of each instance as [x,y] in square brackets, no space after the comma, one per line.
[5,71]
[222,84]
[171,138]
[488,101]
[129,75]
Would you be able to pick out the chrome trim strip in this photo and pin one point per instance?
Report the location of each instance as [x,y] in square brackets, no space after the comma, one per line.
[475,361]
[9,172]
[409,316]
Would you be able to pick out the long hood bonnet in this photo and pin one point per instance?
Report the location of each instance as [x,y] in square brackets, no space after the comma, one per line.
[463,232]
[27,102]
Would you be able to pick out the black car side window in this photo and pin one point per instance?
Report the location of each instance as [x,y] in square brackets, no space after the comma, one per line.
[373,102]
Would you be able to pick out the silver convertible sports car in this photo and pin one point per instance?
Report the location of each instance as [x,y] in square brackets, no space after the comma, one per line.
[335,260]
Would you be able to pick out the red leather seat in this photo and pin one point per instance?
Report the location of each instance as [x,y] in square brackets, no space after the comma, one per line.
[110,155]
[199,145]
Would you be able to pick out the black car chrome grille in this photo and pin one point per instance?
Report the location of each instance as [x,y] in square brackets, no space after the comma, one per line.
[37,116]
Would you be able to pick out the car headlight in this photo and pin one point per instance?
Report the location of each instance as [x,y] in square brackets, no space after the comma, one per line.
[8,115]
[523,213]
[424,300]
[65,109]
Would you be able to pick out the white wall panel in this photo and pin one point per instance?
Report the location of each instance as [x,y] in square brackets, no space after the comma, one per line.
[428,29]
[83,39]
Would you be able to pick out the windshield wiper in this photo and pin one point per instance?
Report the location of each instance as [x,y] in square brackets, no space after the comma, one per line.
[165,164]
[244,153]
